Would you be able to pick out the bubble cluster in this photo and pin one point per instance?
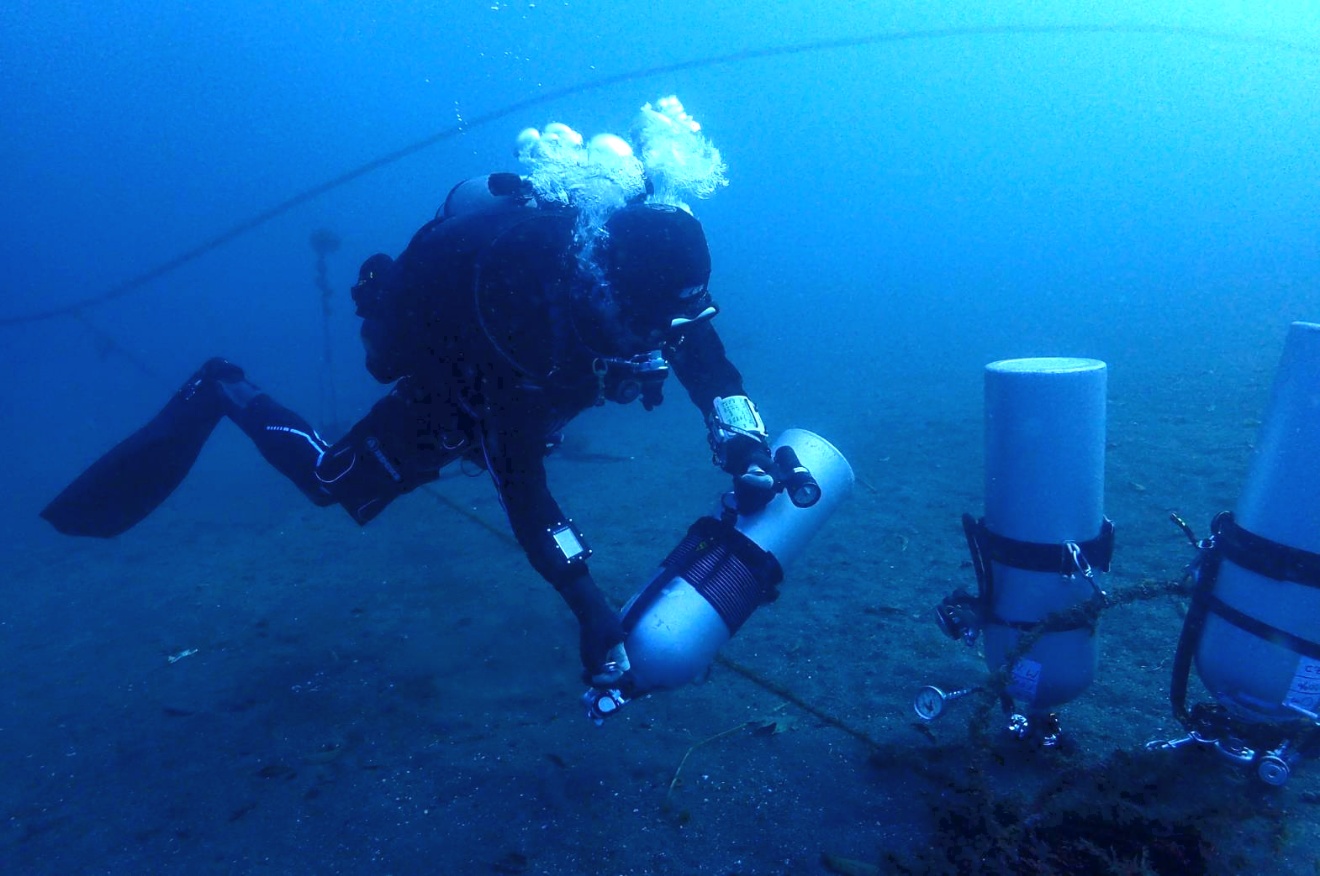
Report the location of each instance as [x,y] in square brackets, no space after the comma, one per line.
[665,160]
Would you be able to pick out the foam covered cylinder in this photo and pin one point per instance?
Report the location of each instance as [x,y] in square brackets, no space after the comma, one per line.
[675,639]
[1255,679]
[1044,484]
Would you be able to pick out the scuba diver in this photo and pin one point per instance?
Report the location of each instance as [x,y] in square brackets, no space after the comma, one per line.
[499,323]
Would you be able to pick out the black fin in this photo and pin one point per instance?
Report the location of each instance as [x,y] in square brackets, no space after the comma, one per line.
[129,482]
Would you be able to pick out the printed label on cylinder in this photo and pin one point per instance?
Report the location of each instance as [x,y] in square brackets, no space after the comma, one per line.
[1304,693]
[1022,684]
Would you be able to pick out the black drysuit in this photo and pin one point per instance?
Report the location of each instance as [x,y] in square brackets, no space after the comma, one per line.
[481,326]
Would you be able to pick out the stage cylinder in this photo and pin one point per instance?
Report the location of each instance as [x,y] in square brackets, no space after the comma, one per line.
[676,626]
[1261,679]
[1044,484]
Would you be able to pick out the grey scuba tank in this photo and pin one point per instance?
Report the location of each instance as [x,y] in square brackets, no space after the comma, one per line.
[677,624]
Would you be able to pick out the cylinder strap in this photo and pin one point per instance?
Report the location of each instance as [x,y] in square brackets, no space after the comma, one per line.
[1270,559]
[1066,559]
[1266,558]
[1262,630]
[1258,554]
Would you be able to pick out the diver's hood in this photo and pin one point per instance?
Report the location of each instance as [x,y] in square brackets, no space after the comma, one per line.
[657,263]
[644,281]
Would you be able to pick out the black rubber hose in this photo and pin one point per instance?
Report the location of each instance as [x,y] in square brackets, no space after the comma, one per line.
[132,284]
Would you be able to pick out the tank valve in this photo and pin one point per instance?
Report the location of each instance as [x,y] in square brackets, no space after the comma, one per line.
[1275,766]
[601,703]
[1042,729]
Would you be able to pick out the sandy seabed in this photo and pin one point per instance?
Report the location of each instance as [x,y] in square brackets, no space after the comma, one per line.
[256,686]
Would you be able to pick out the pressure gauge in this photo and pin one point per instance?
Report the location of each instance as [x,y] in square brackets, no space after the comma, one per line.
[929,703]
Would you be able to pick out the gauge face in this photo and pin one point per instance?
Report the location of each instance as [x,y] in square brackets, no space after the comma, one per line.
[929,703]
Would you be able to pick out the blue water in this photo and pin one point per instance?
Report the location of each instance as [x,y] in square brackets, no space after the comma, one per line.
[402,697]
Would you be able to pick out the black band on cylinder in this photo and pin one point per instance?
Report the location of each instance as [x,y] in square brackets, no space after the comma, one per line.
[727,568]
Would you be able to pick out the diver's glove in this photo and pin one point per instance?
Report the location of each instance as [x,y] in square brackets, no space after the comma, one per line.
[741,447]
[600,638]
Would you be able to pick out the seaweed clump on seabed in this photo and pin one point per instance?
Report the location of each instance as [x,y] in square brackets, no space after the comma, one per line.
[1116,818]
